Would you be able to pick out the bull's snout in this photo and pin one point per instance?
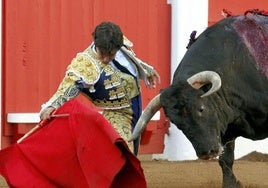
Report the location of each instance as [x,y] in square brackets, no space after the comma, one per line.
[211,153]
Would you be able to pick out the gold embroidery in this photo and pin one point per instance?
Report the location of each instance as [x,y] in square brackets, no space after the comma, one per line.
[117,94]
[109,70]
[104,104]
[125,86]
[115,81]
[71,92]
[84,68]
[121,120]
[94,58]
[92,89]
[130,85]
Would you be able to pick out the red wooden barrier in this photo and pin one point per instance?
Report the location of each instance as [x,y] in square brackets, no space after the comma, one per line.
[40,37]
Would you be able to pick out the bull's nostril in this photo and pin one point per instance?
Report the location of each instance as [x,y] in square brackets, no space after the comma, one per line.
[213,152]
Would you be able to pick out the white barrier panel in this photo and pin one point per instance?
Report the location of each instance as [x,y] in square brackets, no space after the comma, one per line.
[177,147]
[34,117]
[245,146]
[186,17]
[23,117]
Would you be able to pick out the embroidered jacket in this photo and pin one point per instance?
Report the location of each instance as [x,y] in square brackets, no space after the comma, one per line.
[104,85]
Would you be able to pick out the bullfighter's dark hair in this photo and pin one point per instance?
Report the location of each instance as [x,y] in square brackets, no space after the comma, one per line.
[108,37]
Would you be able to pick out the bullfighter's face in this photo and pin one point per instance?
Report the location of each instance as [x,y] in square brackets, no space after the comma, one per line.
[106,56]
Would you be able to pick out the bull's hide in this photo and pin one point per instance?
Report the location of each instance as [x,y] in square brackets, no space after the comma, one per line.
[220,89]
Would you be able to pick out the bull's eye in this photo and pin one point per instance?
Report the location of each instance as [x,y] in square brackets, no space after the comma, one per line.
[201,109]
[183,111]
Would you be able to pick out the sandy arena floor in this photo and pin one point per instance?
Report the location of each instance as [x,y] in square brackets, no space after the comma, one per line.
[252,171]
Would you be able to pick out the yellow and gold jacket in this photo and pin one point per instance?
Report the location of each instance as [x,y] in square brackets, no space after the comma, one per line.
[104,85]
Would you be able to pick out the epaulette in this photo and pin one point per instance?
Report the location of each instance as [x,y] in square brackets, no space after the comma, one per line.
[127,42]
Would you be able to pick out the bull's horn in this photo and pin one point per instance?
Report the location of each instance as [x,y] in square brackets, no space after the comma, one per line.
[153,106]
[205,77]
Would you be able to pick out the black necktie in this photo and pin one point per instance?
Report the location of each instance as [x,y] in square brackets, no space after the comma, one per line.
[121,68]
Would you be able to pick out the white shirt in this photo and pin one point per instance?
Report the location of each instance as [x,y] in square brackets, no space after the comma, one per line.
[121,58]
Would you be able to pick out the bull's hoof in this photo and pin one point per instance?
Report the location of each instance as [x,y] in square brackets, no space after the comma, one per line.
[238,184]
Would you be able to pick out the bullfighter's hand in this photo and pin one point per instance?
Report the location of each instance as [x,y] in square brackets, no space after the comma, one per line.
[153,79]
[46,113]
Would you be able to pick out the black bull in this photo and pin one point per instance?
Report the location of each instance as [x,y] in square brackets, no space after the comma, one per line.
[220,90]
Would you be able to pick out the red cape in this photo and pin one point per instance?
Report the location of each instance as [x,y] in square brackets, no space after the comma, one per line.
[80,150]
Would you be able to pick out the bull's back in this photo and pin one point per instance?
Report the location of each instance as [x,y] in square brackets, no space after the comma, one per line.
[253,30]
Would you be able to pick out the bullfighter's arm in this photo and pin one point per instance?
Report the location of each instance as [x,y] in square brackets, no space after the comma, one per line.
[80,70]
[146,72]
[152,76]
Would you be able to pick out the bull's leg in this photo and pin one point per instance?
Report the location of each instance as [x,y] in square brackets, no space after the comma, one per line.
[226,161]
